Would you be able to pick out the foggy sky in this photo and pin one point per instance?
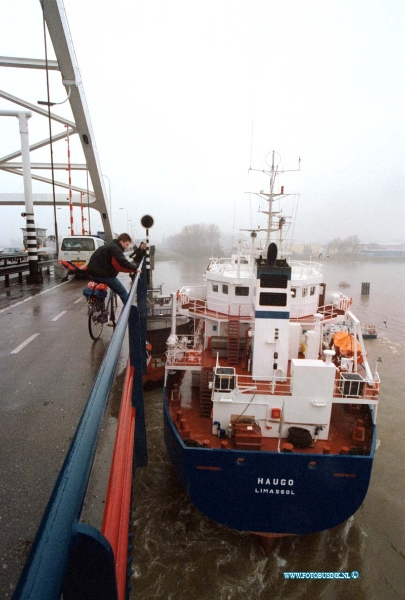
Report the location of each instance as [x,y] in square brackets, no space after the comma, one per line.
[175,90]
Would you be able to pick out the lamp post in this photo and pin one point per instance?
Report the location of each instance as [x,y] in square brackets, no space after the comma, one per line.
[130,227]
[122,208]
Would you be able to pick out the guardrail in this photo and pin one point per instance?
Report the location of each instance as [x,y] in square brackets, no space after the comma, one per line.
[23,267]
[75,558]
[17,257]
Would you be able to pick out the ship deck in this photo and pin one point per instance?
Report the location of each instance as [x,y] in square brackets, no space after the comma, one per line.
[185,413]
[192,360]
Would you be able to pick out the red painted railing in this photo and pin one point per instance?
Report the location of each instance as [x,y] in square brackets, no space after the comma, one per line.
[118,503]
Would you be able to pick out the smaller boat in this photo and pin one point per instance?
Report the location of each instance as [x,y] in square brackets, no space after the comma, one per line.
[159,319]
[369,332]
[155,366]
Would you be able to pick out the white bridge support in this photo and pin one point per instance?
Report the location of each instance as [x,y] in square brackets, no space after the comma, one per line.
[66,63]
[23,117]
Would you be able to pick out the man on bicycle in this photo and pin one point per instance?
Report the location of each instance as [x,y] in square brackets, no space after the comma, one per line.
[108,260]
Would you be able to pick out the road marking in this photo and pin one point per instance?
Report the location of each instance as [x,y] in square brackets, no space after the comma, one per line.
[59,315]
[32,297]
[21,346]
[78,300]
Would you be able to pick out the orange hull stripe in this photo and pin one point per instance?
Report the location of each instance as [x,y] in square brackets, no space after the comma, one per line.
[204,468]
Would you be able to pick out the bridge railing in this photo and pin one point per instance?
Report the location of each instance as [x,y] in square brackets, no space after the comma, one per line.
[75,558]
[23,267]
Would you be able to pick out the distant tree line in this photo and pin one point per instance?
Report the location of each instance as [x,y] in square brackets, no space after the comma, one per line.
[196,240]
[349,245]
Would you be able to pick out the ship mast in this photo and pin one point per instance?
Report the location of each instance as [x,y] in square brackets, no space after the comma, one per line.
[276,220]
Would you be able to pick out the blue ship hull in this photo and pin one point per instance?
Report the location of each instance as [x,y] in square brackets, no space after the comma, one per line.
[270,492]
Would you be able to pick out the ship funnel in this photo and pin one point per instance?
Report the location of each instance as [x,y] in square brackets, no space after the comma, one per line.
[272,254]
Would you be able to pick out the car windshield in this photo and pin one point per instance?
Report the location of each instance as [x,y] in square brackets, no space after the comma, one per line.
[78,244]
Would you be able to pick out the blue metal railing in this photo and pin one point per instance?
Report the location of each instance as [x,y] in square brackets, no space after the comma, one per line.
[68,556]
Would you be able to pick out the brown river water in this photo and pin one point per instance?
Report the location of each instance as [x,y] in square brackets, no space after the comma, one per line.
[180,554]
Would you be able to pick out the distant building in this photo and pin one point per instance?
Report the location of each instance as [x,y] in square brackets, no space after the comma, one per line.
[306,249]
[384,253]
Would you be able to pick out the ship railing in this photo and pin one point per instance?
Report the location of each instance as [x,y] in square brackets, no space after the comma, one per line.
[352,386]
[187,352]
[305,269]
[220,265]
[348,388]
[179,357]
[344,302]
[329,311]
[70,557]
[196,306]
[338,301]
[198,292]
[218,310]
[335,309]
[262,385]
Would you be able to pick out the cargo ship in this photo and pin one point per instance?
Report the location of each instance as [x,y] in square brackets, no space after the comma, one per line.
[270,406]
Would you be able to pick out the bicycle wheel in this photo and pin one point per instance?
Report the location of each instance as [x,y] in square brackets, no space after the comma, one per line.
[95,319]
[113,306]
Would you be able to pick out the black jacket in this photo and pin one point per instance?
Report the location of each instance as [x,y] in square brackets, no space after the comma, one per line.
[138,254]
[108,260]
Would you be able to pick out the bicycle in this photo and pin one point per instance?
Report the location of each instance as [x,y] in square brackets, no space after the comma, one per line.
[99,312]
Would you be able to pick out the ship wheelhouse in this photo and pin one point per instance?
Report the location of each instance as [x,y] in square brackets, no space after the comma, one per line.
[307,289]
[231,286]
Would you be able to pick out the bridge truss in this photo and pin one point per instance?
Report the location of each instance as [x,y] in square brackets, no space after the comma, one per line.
[80,127]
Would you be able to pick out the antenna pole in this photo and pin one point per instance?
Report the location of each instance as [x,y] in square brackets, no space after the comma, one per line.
[251,148]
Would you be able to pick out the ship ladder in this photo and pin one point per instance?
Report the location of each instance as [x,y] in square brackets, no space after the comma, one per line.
[207,376]
[233,341]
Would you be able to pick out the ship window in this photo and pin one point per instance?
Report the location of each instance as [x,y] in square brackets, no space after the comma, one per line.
[304,292]
[214,287]
[224,289]
[273,281]
[270,299]
[241,290]
[312,292]
[293,292]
